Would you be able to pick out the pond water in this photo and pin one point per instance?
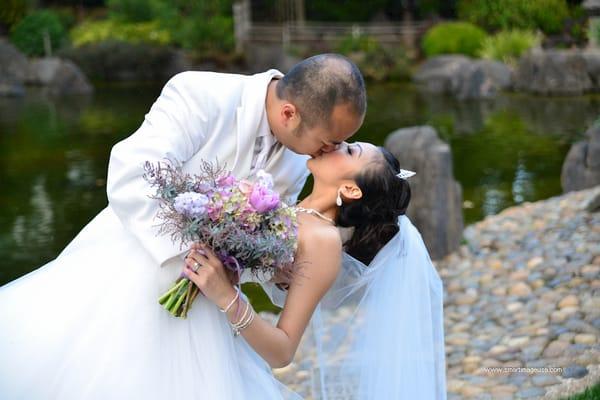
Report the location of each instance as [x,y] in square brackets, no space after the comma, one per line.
[54,154]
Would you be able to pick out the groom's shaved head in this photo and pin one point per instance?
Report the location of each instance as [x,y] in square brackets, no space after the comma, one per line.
[319,83]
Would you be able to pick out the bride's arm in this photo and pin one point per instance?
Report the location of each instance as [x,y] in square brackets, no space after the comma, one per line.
[319,257]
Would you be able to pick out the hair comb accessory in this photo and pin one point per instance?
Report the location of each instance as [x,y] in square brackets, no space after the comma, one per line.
[404,174]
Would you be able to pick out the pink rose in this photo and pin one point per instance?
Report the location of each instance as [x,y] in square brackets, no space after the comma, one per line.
[246,186]
[264,199]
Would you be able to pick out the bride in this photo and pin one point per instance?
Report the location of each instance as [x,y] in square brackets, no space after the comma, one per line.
[87,325]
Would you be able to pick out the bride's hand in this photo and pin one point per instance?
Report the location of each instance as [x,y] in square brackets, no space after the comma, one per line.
[211,277]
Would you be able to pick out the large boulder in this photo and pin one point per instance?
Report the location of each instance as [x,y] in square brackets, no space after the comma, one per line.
[121,61]
[556,72]
[592,64]
[436,203]
[60,76]
[581,169]
[463,77]
[13,70]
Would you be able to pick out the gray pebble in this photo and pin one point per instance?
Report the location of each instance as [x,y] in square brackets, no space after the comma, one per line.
[575,371]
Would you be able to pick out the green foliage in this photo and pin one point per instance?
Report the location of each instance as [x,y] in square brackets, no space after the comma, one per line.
[28,34]
[590,393]
[594,31]
[375,61]
[139,10]
[12,11]
[546,15]
[508,46]
[453,38]
[208,36]
[90,32]
[352,43]
[67,16]
[203,26]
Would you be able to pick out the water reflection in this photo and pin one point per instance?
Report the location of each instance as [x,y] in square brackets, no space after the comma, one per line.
[54,154]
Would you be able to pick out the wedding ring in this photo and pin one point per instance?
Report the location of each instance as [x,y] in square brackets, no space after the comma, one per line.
[196,266]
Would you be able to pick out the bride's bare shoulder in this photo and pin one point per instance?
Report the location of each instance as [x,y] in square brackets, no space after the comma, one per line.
[318,239]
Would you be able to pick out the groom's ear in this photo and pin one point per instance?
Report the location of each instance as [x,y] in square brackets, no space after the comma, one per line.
[290,115]
[351,192]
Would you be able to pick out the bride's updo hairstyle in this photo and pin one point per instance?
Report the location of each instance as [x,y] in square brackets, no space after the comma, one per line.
[374,217]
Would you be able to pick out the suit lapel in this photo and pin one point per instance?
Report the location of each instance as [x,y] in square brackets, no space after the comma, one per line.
[249,114]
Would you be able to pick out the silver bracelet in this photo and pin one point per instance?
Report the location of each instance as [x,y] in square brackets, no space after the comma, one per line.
[244,319]
[232,301]
[238,330]
[244,315]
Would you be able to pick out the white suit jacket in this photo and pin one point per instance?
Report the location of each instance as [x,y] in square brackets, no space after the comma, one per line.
[198,116]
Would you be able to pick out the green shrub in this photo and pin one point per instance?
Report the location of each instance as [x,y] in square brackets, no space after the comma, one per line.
[375,61]
[453,38]
[508,46]
[208,36]
[140,10]
[594,31]
[352,44]
[206,26]
[28,34]
[545,15]
[131,32]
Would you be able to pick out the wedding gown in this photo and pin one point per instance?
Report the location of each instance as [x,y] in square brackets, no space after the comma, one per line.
[88,325]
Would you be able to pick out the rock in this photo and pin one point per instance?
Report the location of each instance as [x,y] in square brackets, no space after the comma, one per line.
[10,87]
[499,73]
[534,262]
[519,275]
[122,61]
[62,77]
[454,385]
[574,371]
[13,70]
[520,289]
[555,349]
[471,390]
[463,77]
[585,338]
[518,341]
[530,392]
[436,203]
[553,72]
[590,271]
[592,63]
[569,301]
[467,298]
[458,339]
[13,63]
[581,168]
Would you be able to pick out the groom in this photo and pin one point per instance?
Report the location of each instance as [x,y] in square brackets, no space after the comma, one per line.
[246,123]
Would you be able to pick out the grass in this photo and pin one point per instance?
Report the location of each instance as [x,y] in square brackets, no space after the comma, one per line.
[591,393]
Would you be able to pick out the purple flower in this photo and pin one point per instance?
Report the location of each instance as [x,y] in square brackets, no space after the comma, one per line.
[263,199]
[191,204]
[226,181]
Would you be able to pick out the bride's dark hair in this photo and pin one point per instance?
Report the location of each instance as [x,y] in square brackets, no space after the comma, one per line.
[374,217]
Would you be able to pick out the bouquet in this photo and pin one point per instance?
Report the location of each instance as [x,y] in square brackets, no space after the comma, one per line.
[245,223]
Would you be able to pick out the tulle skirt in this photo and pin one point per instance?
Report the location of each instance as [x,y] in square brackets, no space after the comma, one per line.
[88,325]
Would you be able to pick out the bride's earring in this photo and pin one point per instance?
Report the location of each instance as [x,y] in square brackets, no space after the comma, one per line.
[338,200]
